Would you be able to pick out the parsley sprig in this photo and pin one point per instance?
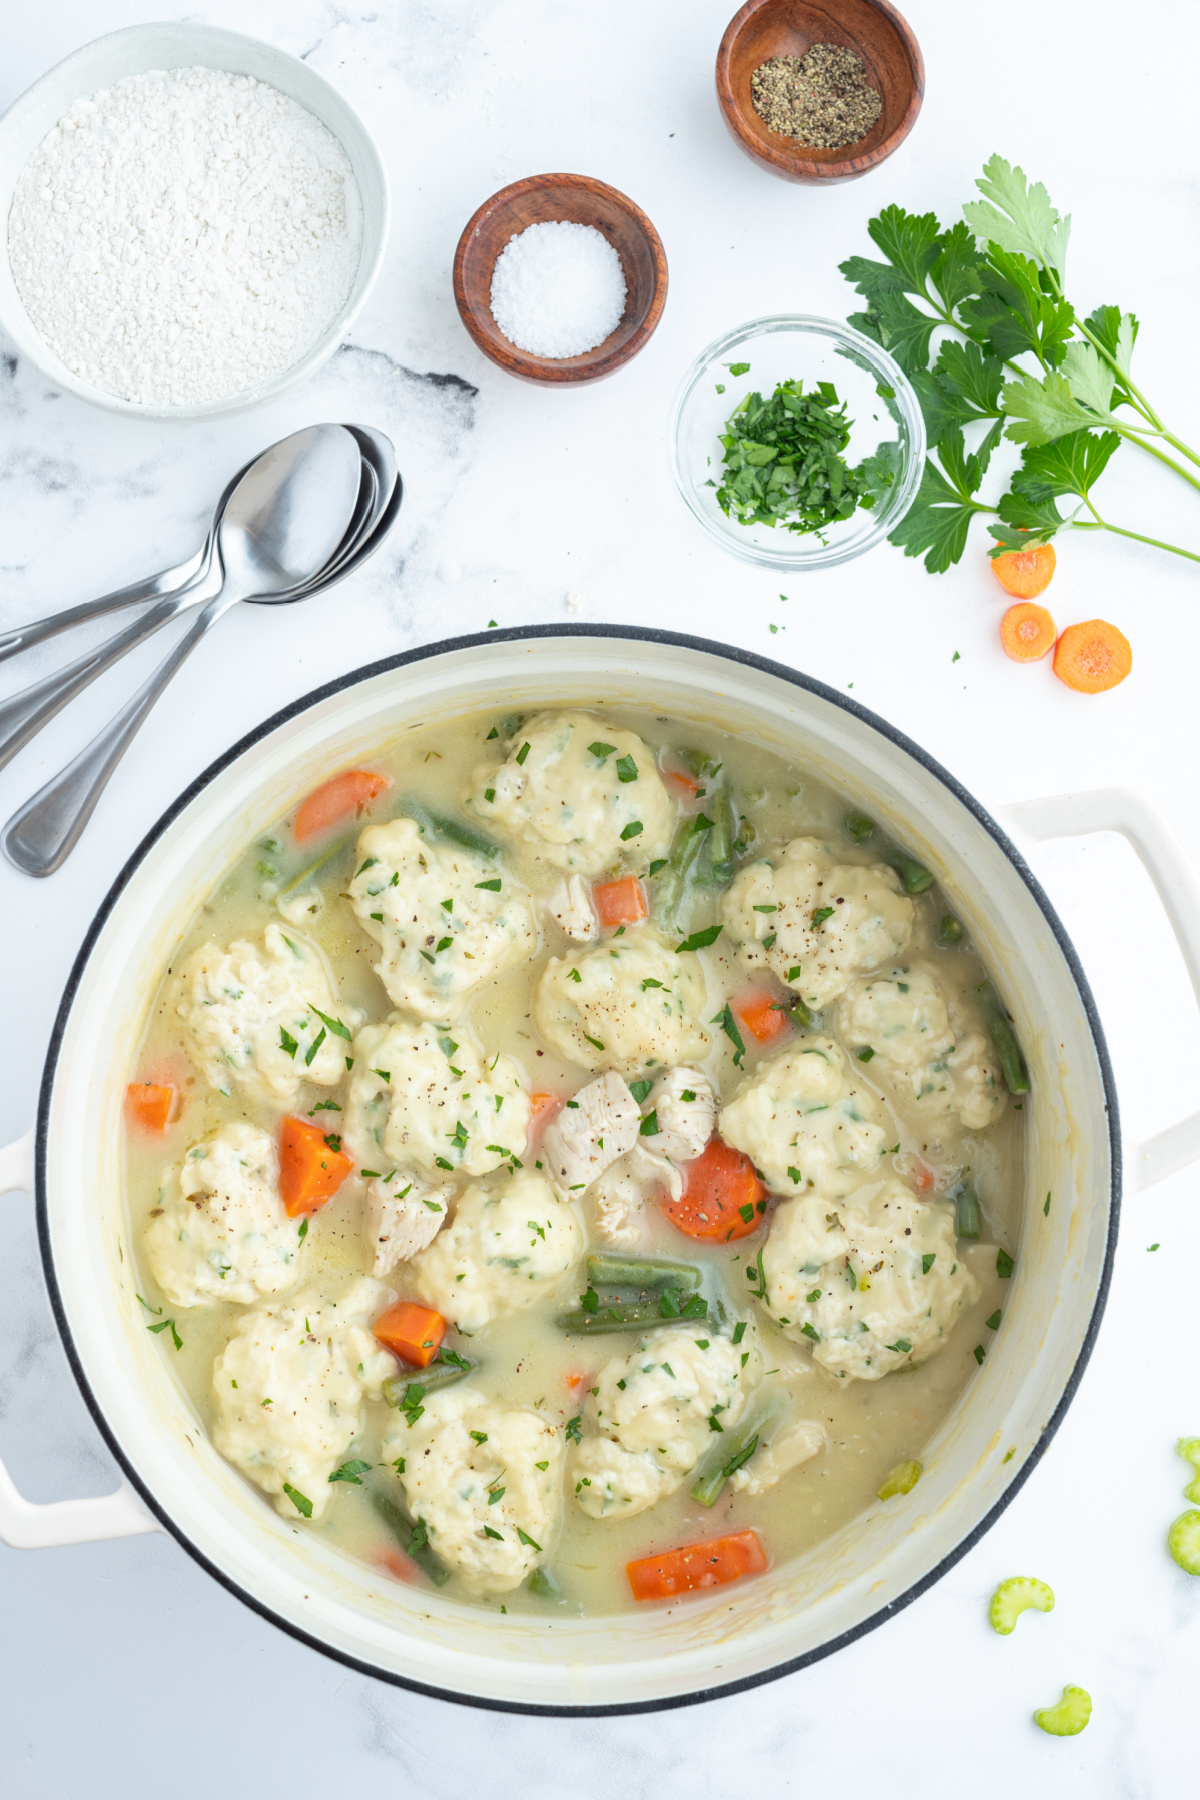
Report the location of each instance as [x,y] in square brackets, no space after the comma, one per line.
[1013,359]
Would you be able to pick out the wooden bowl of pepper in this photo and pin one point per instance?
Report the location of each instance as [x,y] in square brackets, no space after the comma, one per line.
[892,66]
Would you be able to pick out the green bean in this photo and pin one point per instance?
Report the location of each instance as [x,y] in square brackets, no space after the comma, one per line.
[543,1584]
[727,1459]
[1008,1050]
[859,827]
[307,874]
[410,1538]
[1183,1541]
[915,877]
[437,1375]
[901,1480]
[669,883]
[640,1272]
[950,932]
[629,1315]
[1069,1717]
[1015,1596]
[455,829]
[968,1220]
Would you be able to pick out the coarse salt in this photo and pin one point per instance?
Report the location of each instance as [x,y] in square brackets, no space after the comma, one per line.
[558,289]
[184,235]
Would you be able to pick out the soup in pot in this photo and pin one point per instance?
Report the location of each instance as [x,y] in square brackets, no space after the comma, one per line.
[574,1161]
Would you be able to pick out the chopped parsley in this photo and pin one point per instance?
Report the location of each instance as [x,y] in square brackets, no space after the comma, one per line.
[632,830]
[699,940]
[300,1501]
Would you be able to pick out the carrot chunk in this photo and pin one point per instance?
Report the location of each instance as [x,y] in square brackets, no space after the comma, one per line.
[335,801]
[1092,657]
[682,786]
[620,902]
[722,1196]
[1027,632]
[542,1108]
[763,1015]
[1025,573]
[312,1166]
[709,1564]
[150,1106]
[411,1331]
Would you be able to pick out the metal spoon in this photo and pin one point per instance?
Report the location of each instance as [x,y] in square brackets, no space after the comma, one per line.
[23,714]
[41,835]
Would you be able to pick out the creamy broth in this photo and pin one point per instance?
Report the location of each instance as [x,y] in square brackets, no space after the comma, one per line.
[525,1358]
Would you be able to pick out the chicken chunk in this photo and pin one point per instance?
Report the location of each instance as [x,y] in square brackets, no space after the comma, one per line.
[220,1232]
[580,794]
[875,1285]
[506,1247]
[570,906]
[421,1098]
[289,1388]
[805,1121]
[682,1108]
[815,923]
[446,919]
[593,1129]
[485,1480]
[253,1016]
[403,1215]
[629,1005]
[652,1415]
[934,1069]
[778,1453]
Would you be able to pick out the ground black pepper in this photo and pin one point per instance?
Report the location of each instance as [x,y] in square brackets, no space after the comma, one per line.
[822,100]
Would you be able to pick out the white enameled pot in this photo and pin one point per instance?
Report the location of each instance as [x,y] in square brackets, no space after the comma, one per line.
[712,1643]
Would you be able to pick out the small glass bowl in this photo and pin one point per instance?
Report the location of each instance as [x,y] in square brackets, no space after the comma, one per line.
[788,347]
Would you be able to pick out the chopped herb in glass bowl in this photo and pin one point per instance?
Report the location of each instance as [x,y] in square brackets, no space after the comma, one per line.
[797,442]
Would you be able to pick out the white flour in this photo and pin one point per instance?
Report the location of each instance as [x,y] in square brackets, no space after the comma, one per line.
[184,235]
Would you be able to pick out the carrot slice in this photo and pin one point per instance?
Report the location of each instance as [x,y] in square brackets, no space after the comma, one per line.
[312,1166]
[709,1564]
[1092,657]
[620,902]
[542,1108]
[722,1196]
[149,1105]
[1027,632]
[764,1016]
[682,786]
[335,801]
[411,1331]
[1025,573]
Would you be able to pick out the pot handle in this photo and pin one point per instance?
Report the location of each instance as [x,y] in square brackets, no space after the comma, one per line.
[24,1525]
[1122,810]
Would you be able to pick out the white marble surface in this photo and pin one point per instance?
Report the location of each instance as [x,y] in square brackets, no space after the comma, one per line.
[123,1665]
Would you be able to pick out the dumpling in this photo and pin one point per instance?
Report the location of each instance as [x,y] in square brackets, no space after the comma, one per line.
[254,1016]
[654,1412]
[932,1070]
[581,794]
[805,1121]
[290,1386]
[445,919]
[816,923]
[630,1004]
[485,1480]
[874,1284]
[419,1098]
[221,1232]
[506,1247]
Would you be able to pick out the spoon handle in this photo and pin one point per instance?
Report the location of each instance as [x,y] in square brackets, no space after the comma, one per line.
[153,587]
[42,834]
[22,715]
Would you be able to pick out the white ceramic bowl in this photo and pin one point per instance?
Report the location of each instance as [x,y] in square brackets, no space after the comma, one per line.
[180,46]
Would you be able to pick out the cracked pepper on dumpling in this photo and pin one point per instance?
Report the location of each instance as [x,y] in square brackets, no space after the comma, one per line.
[485,1480]
[806,1120]
[653,1413]
[630,1004]
[290,1386]
[446,919]
[423,1099]
[220,1232]
[816,923]
[932,1065]
[581,795]
[873,1284]
[254,1016]
[506,1247]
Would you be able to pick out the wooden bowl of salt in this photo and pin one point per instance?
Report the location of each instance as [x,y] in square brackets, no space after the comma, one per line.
[568,200]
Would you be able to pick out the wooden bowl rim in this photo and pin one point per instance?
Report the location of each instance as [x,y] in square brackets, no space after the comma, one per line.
[591,365]
[787,162]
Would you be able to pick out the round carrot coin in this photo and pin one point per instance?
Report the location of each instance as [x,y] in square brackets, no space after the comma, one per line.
[722,1196]
[1025,573]
[1027,632]
[1092,657]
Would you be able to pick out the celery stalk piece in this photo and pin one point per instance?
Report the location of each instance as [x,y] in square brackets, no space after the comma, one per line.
[1069,1717]
[1015,1596]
